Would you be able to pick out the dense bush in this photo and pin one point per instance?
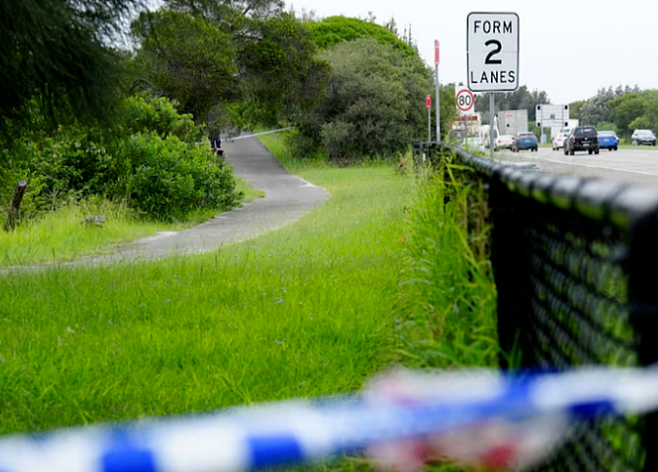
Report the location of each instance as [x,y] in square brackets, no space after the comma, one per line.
[374,105]
[166,178]
[150,158]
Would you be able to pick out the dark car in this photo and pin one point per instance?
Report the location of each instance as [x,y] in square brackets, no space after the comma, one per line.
[525,140]
[608,140]
[582,138]
[643,136]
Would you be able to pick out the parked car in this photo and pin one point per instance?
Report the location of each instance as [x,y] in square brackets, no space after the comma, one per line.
[558,141]
[643,136]
[504,141]
[608,140]
[525,140]
[582,138]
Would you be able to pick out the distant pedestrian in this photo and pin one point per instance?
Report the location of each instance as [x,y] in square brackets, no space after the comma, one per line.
[216,143]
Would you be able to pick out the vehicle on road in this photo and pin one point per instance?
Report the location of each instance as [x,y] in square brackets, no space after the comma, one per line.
[525,140]
[504,141]
[608,140]
[558,141]
[582,138]
[643,136]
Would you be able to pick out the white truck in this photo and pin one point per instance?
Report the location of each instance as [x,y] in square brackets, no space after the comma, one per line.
[511,122]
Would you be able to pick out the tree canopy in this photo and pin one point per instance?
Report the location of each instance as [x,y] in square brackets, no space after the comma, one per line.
[56,52]
[186,58]
[374,104]
[337,29]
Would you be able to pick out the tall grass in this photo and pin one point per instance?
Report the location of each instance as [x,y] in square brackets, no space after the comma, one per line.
[303,311]
[448,296]
[385,272]
[63,236]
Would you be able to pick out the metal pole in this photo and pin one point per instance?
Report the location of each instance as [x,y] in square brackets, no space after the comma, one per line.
[429,124]
[438,115]
[491,125]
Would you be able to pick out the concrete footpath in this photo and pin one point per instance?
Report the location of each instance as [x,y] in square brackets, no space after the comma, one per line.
[287,197]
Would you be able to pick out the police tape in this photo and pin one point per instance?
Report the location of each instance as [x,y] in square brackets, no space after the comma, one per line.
[478,418]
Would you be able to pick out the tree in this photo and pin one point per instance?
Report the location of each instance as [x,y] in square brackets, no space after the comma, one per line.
[187,59]
[337,29]
[231,16]
[280,72]
[375,101]
[56,52]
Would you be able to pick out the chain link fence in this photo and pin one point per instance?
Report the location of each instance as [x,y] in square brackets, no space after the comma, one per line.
[573,260]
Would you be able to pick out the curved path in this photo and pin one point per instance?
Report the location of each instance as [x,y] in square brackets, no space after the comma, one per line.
[287,197]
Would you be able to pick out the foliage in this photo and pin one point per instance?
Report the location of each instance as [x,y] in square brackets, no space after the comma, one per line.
[448,300]
[302,311]
[605,126]
[151,159]
[56,52]
[167,178]
[233,16]
[602,108]
[337,29]
[375,102]
[186,58]
[635,110]
[281,75]
[146,113]
[520,99]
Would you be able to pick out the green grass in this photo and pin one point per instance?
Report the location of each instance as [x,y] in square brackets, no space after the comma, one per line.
[62,236]
[448,295]
[303,311]
[383,273]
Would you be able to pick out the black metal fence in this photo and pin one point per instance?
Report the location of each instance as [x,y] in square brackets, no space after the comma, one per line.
[574,262]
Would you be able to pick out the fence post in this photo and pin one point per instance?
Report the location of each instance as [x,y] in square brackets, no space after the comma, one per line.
[506,251]
[12,214]
[643,302]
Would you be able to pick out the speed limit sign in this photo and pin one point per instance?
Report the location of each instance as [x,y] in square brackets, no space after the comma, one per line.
[465,100]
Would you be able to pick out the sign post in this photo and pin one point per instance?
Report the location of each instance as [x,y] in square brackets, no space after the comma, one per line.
[436,91]
[428,103]
[492,55]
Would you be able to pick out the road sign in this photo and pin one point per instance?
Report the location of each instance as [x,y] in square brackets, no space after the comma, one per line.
[552,116]
[436,52]
[428,101]
[465,100]
[492,50]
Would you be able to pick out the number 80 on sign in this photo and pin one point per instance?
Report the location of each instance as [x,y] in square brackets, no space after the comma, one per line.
[465,100]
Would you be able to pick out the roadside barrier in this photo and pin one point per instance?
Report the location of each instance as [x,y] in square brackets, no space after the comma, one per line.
[573,262]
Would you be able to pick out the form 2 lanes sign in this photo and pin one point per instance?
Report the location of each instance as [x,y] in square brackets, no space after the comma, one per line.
[492,49]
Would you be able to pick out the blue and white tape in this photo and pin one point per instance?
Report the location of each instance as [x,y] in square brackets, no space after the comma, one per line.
[399,406]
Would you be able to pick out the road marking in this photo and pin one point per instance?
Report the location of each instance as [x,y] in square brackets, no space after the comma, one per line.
[597,167]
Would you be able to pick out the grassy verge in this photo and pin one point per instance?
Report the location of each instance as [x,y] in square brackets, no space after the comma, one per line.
[62,236]
[303,311]
[448,295]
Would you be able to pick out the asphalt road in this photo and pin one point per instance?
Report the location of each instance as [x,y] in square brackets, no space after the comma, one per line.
[636,166]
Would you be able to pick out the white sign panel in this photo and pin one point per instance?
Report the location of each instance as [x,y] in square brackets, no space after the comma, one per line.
[552,116]
[492,49]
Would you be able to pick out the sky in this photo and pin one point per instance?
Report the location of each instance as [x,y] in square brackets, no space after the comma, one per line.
[569,49]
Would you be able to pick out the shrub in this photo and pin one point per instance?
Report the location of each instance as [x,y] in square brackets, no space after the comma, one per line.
[165,178]
[145,113]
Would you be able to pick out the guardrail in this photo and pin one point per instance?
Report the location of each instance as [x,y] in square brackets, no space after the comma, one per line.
[573,260]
